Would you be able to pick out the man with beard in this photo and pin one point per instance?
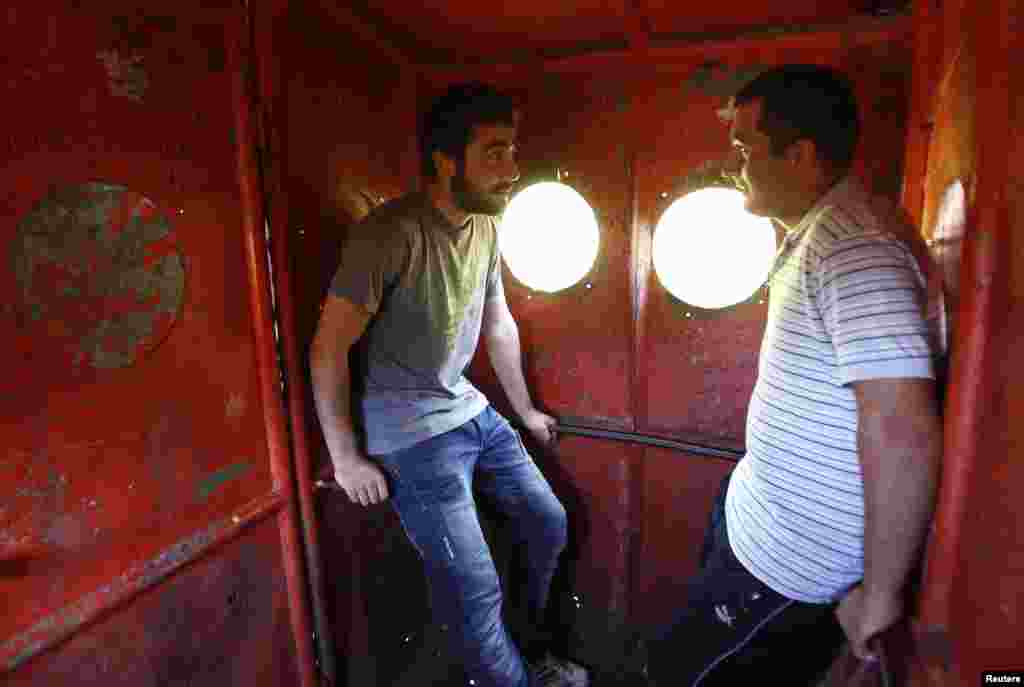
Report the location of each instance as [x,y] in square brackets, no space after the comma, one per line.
[419,282]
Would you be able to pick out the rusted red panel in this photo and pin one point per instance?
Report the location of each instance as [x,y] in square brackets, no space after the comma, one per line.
[677,493]
[117,455]
[48,631]
[221,621]
[594,481]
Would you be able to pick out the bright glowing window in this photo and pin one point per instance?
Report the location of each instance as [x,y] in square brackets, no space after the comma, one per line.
[709,251]
[549,236]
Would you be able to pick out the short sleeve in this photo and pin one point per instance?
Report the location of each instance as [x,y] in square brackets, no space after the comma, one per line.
[371,260]
[495,288]
[871,296]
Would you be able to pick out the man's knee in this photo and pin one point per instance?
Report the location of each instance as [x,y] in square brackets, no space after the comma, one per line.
[554,525]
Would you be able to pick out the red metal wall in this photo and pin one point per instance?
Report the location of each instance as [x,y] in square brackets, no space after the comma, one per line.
[970,600]
[133,408]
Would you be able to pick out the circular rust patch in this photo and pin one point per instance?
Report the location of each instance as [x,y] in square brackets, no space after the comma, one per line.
[100,279]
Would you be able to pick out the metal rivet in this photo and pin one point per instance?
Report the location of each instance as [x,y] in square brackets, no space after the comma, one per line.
[589,285]
[664,194]
[235,519]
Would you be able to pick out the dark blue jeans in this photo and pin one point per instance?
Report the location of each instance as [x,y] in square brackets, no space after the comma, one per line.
[432,485]
[733,628]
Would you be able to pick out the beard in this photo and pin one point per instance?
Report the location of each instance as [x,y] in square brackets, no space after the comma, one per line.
[474,200]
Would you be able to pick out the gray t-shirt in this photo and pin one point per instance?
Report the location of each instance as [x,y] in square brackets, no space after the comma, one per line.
[423,281]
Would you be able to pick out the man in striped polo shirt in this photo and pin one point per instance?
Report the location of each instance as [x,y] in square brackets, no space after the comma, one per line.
[829,507]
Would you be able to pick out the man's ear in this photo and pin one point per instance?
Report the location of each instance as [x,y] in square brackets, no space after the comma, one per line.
[803,155]
[445,165]
[802,151]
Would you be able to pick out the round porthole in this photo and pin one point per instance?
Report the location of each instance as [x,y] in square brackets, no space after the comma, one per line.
[709,251]
[549,237]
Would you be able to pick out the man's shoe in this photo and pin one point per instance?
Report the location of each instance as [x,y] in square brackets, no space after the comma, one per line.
[559,672]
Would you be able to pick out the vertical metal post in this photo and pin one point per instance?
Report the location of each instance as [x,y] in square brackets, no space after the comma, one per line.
[266,30]
[262,321]
[983,284]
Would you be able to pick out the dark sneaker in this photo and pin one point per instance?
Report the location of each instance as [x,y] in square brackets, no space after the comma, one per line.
[559,672]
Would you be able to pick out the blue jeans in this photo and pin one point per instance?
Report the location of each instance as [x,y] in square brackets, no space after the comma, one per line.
[734,629]
[432,490]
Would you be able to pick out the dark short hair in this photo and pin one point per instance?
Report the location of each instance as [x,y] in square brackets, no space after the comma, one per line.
[807,101]
[447,126]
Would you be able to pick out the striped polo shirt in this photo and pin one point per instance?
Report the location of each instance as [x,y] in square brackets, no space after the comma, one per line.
[847,301]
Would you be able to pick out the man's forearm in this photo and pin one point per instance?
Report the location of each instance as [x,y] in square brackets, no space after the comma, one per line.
[506,358]
[900,458]
[331,396]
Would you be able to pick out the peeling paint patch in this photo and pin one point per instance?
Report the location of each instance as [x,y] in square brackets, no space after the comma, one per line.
[236,406]
[219,478]
[100,279]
